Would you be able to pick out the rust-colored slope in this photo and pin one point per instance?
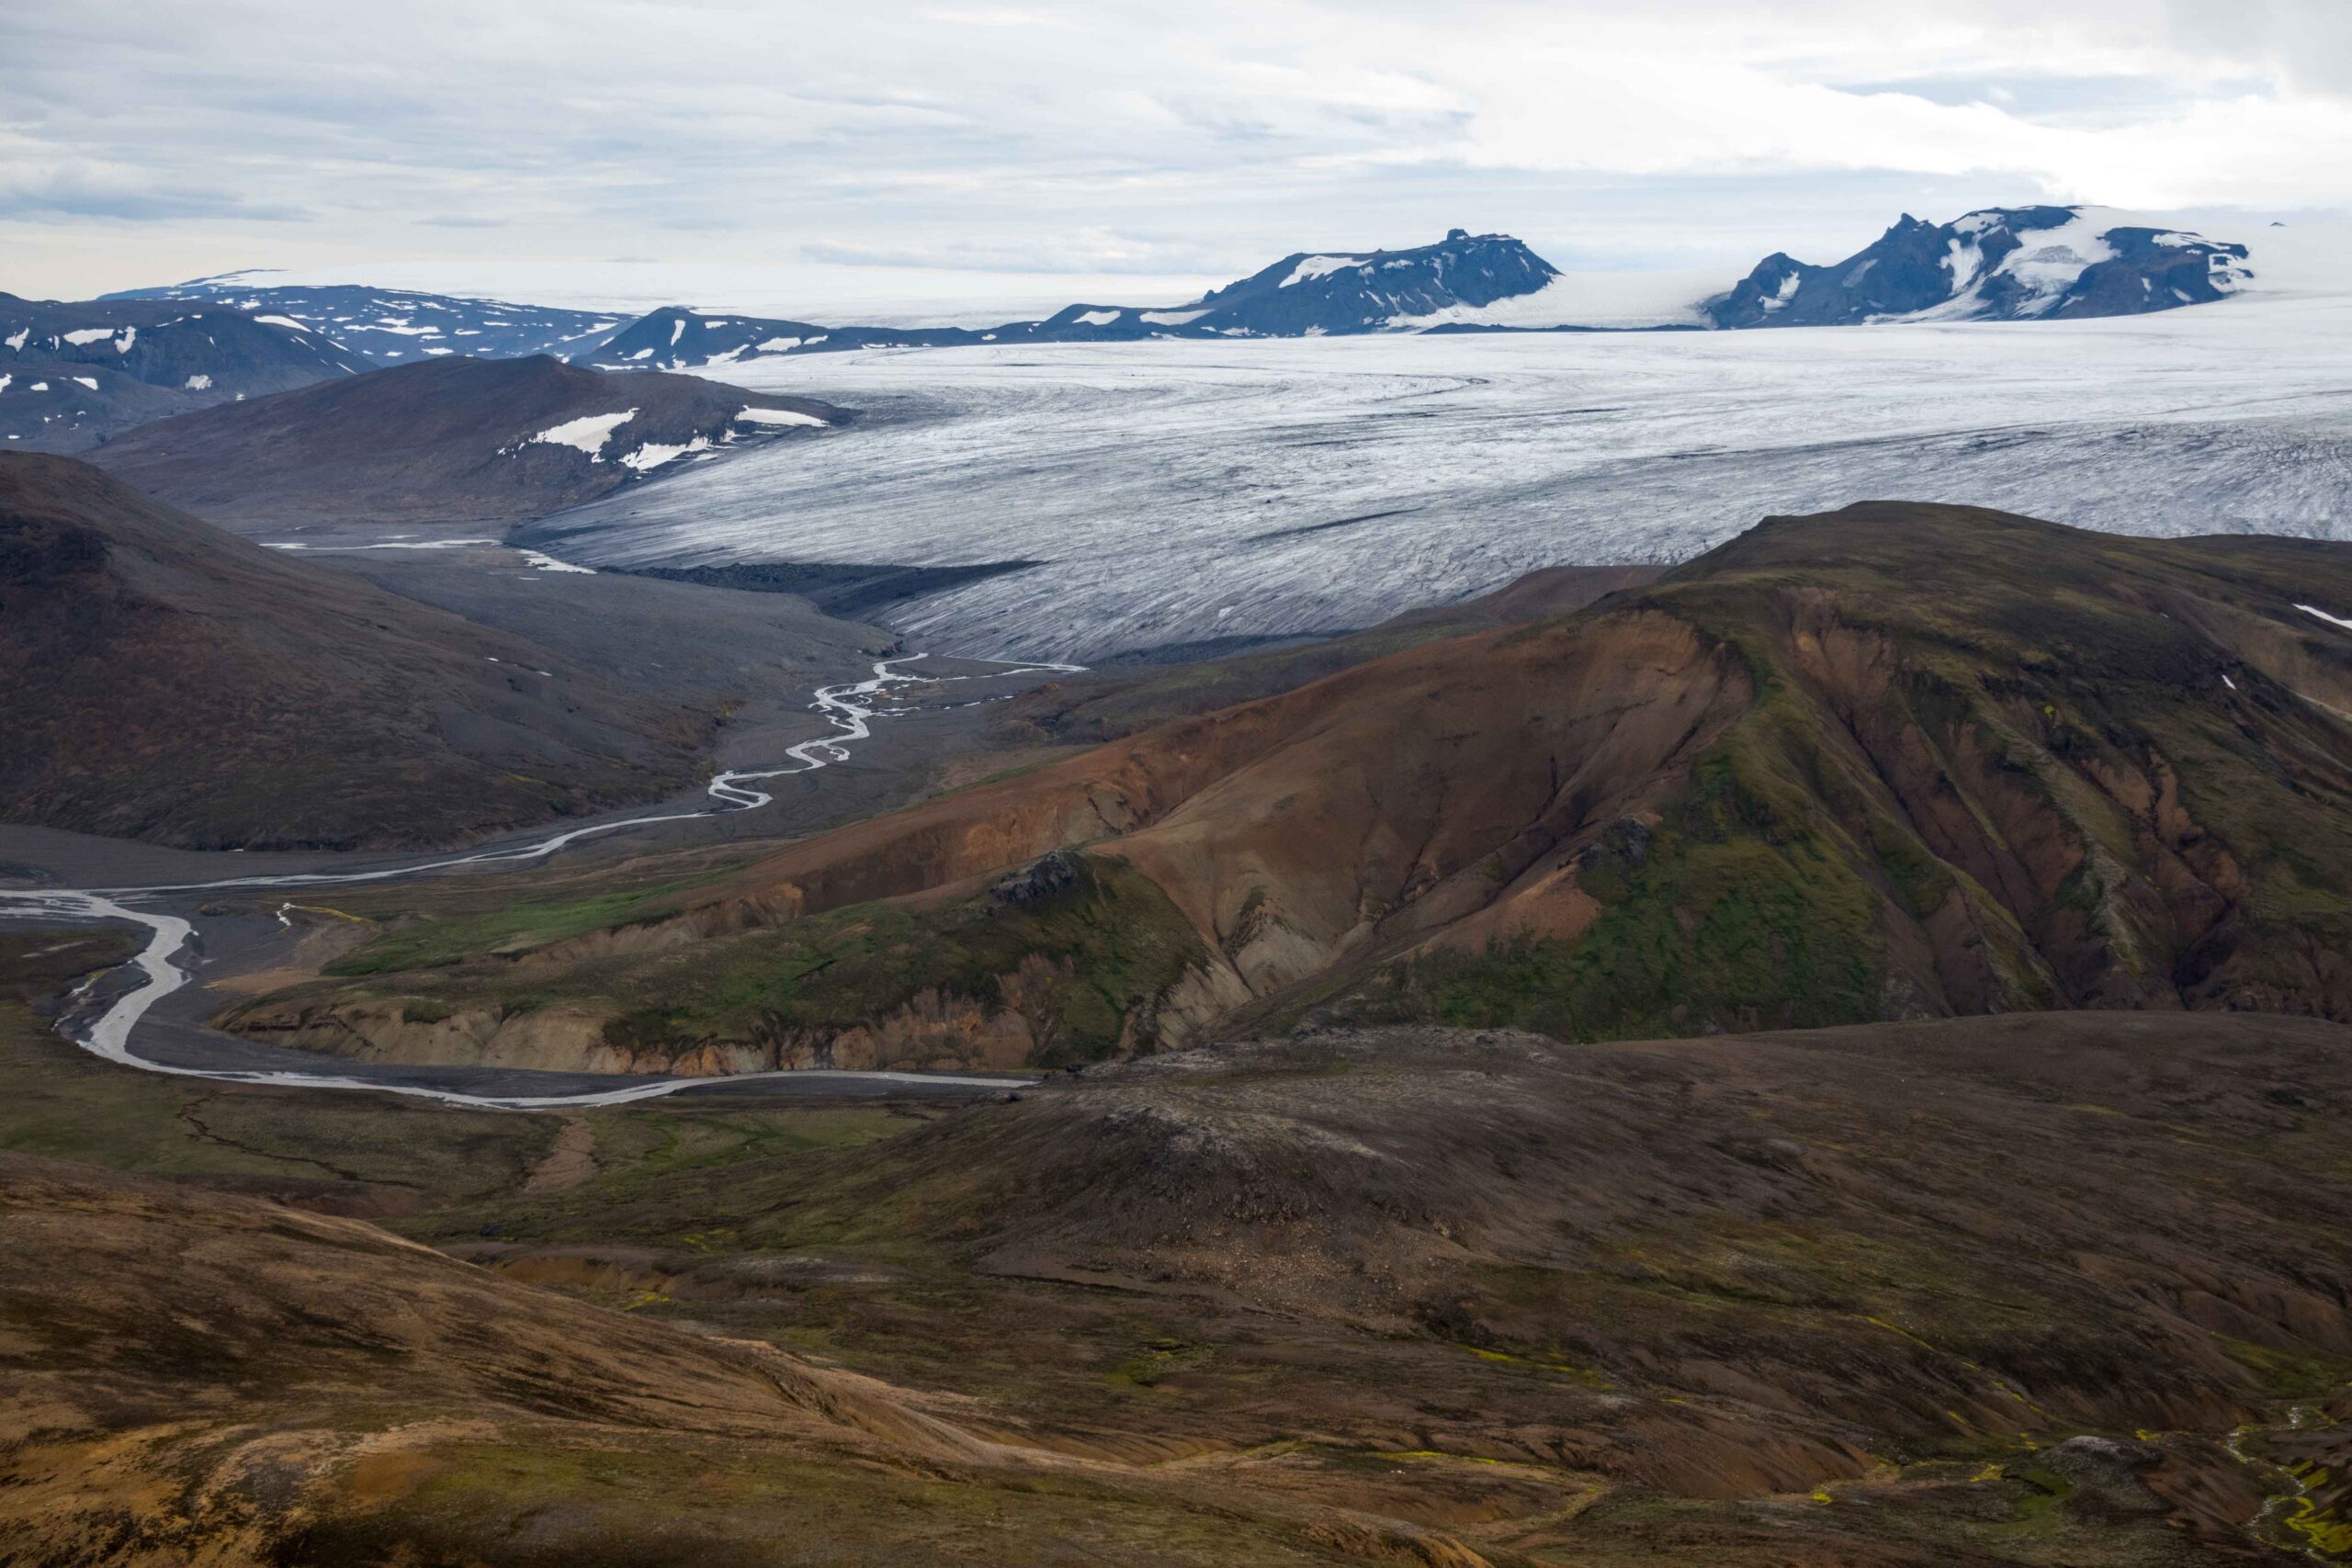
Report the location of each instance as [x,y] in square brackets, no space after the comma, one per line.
[1447,785]
[187,1378]
[1355,796]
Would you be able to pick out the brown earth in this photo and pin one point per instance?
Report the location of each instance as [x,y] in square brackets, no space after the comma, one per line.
[199,691]
[2062,1289]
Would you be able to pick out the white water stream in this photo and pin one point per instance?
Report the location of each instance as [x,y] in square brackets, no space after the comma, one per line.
[108,1034]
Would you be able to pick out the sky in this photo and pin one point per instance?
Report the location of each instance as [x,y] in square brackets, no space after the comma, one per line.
[931,156]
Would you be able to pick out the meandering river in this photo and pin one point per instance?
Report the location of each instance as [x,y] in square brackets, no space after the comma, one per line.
[106,1030]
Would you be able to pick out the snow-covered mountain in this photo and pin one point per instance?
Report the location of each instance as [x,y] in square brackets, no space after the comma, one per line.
[677,338]
[2001,263]
[392,326]
[1310,294]
[72,374]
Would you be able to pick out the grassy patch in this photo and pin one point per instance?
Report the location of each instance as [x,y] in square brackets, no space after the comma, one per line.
[426,943]
[1730,913]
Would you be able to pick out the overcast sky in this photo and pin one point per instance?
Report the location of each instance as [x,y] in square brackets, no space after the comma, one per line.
[892,150]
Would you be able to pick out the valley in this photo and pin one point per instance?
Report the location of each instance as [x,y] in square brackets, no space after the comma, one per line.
[1289,936]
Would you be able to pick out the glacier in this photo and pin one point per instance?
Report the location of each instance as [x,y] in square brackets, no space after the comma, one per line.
[1177,492]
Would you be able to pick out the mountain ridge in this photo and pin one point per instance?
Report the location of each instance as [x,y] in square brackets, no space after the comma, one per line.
[2022,263]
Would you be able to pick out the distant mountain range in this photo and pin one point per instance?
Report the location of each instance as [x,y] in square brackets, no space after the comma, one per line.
[393,326]
[1308,294]
[71,374]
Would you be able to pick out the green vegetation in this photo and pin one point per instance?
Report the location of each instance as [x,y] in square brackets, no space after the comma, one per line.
[379,1150]
[426,943]
[1729,913]
[1073,968]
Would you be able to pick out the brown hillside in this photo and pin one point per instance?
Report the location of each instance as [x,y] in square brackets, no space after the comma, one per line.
[170,682]
[1894,761]
[443,441]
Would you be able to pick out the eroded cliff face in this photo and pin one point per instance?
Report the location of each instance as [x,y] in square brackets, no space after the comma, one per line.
[1893,762]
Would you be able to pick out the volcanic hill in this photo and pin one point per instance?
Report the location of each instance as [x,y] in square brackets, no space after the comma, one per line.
[197,690]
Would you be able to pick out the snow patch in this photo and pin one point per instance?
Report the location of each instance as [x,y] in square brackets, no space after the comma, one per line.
[1312,267]
[88,336]
[1097,318]
[587,434]
[198,384]
[653,453]
[1173,318]
[537,562]
[89,381]
[778,416]
[283,322]
[2322,614]
[16,340]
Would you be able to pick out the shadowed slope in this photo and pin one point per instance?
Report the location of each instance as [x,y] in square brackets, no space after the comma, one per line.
[172,682]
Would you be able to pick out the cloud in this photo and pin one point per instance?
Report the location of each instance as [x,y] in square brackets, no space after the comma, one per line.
[115,191]
[1050,134]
